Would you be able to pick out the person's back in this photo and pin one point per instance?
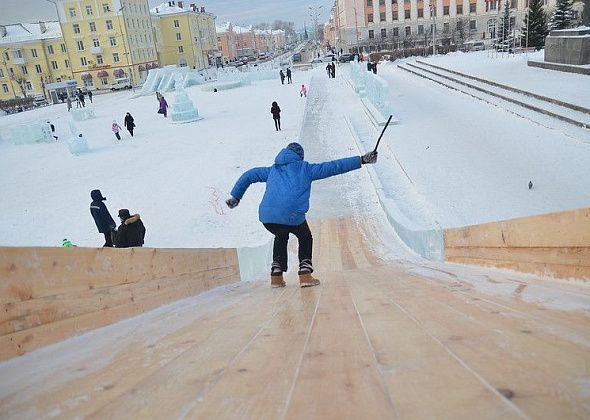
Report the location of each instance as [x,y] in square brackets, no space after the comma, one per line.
[131,232]
[104,222]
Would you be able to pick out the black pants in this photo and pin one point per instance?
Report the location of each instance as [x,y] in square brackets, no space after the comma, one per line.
[130,131]
[289,79]
[281,232]
[117,136]
[277,124]
[108,240]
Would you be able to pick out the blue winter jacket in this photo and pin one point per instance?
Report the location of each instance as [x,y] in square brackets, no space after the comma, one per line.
[288,185]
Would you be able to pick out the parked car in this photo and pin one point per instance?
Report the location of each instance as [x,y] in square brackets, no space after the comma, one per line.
[296,57]
[121,83]
[478,46]
[345,58]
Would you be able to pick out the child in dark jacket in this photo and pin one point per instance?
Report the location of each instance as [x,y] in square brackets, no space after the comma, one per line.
[286,201]
[102,217]
[276,115]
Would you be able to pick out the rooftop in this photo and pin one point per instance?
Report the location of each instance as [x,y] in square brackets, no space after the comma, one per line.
[23,32]
[175,7]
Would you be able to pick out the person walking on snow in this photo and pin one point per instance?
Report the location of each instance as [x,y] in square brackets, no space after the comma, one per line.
[116,128]
[129,124]
[104,222]
[286,201]
[303,91]
[282,77]
[69,103]
[90,95]
[289,81]
[276,115]
[163,106]
[333,70]
[131,232]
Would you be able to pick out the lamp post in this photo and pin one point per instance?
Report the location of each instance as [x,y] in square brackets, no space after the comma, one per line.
[121,9]
[433,14]
[62,34]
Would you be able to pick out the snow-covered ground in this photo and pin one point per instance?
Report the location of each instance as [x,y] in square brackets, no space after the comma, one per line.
[451,159]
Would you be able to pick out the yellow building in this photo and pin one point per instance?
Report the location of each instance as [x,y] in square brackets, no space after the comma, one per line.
[107,40]
[33,55]
[186,35]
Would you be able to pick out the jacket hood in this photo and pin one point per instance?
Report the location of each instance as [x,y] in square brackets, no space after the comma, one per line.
[287,156]
[96,195]
[132,219]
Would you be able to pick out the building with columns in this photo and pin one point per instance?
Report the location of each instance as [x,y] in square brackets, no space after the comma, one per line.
[387,24]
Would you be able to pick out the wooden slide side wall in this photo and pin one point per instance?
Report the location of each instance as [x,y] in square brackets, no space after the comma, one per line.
[554,244]
[50,294]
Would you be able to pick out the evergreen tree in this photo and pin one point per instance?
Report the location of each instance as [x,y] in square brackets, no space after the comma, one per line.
[537,25]
[562,17]
[505,38]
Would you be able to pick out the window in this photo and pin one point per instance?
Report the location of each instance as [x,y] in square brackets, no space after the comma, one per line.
[369,3]
[99,59]
[11,71]
[446,27]
[512,21]
[393,1]
[105,8]
[371,34]
[180,49]
[395,31]
[76,28]
[394,16]
[67,63]
[63,48]
[459,9]
[50,49]
[472,7]
[92,26]
[408,31]
[83,61]
[420,13]
[96,42]
[89,10]
[115,57]
[18,54]
[370,17]
[513,4]
[381,2]
[383,33]
[178,37]
[28,85]
[113,41]
[109,25]
[176,24]
[407,14]
[472,25]
[34,52]
[72,12]
[420,29]
[80,45]
[24,69]
[1,73]
[446,10]
[5,87]
[54,65]
[104,81]
[382,17]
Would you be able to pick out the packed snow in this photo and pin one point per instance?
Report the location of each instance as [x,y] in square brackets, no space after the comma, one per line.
[451,161]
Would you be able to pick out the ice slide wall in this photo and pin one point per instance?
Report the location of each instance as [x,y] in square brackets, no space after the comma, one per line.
[50,294]
[553,244]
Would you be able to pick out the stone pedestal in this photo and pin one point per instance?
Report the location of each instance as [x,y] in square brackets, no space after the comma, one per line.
[568,46]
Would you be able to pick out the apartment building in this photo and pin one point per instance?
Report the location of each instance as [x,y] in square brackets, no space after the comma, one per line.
[186,35]
[107,39]
[269,40]
[373,24]
[226,42]
[33,55]
[245,41]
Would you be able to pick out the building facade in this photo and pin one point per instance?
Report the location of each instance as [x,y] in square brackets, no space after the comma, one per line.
[33,55]
[375,24]
[226,42]
[186,36]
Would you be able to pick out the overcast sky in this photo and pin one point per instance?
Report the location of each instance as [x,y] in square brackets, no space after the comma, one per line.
[242,12]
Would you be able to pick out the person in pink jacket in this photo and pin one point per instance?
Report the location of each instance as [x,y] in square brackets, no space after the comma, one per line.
[116,128]
[163,107]
[303,91]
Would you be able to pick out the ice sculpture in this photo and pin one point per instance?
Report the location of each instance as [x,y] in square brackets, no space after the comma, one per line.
[81,114]
[77,144]
[182,108]
[33,132]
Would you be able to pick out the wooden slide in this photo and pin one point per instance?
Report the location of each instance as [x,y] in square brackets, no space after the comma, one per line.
[378,339]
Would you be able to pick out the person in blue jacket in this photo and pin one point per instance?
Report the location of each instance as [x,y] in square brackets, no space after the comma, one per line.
[286,201]
[102,217]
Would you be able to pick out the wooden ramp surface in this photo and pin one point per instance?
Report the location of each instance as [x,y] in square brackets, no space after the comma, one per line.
[376,340]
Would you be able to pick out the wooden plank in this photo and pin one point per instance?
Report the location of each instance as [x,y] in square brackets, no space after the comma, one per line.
[575,256]
[338,377]
[423,379]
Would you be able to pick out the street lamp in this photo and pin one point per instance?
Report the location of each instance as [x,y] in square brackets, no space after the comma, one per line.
[125,45]
[62,34]
[433,15]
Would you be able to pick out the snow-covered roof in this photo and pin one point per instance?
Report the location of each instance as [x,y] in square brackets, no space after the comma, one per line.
[24,32]
[223,28]
[172,7]
[269,31]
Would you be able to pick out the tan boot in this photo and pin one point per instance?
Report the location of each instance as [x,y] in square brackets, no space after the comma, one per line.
[307,280]
[276,278]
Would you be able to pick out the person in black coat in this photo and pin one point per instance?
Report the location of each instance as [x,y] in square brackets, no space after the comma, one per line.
[282,77]
[289,81]
[129,124]
[131,232]
[276,115]
[102,217]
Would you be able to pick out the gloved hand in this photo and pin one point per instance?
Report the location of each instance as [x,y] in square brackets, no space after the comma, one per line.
[232,202]
[370,157]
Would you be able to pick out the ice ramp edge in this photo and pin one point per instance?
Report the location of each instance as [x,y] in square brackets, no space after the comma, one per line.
[553,244]
[50,294]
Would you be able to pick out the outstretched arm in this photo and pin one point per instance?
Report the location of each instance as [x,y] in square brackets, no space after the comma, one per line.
[247,178]
[334,167]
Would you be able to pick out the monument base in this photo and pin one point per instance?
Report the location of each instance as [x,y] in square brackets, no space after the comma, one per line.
[568,68]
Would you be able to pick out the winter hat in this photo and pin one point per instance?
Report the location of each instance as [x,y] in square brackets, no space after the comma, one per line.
[296,147]
[124,214]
